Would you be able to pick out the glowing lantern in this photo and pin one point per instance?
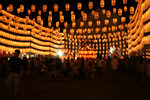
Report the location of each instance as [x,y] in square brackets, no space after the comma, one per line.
[109,29]
[124,1]
[114,20]
[89,30]
[57,24]
[21,8]
[11,8]
[106,21]
[97,30]
[103,11]
[108,14]
[39,12]
[73,18]
[84,17]
[29,12]
[55,8]
[33,8]
[50,18]
[120,12]
[114,10]
[67,7]
[79,6]
[125,8]
[27,18]
[89,23]
[72,31]
[82,12]
[121,27]
[93,12]
[38,19]
[130,17]
[113,28]
[73,24]
[81,24]
[113,2]
[98,22]
[18,10]
[96,15]
[131,10]
[72,12]
[123,19]
[50,13]
[44,8]
[65,24]
[102,3]
[90,5]
[60,13]
[0,6]
[42,22]
[61,18]
[8,9]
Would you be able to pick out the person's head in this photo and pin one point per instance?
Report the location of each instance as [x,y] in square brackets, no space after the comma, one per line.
[17,53]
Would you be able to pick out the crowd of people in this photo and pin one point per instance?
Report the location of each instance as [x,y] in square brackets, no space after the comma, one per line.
[59,69]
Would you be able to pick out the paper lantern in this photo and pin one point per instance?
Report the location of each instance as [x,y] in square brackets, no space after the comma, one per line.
[44,8]
[103,11]
[73,18]
[39,12]
[38,19]
[121,27]
[42,22]
[120,12]
[50,13]
[131,10]
[65,24]
[82,12]
[71,31]
[113,2]
[8,9]
[18,10]
[89,23]
[57,24]
[102,3]
[123,19]
[67,7]
[106,21]
[11,8]
[61,18]
[113,28]
[79,6]
[81,24]
[89,30]
[60,13]
[130,17]
[50,19]
[84,17]
[108,14]
[0,6]
[125,8]
[29,12]
[21,8]
[98,22]
[93,12]
[114,10]
[90,5]
[109,29]
[114,20]
[96,15]
[33,8]
[49,24]
[124,1]
[55,8]
[73,24]
[97,30]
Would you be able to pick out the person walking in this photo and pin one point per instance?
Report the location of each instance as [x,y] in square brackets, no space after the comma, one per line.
[15,68]
[114,64]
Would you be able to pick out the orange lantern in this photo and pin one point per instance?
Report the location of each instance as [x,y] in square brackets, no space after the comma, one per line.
[0,6]
[113,2]
[42,22]
[123,19]
[61,18]
[65,24]
[38,19]
[130,17]
[102,3]
[113,28]
[89,23]
[21,8]
[81,24]
[72,31]
[97,30]
[57,24]
[108,14]
[33,8]
[79,6]
[120,12]
[18,10]
[73,18]
[11,8]
[73,24]
[72,12]
[96,15]
[82,12]
[131,10]
[114,20]
[44,8]
[84,17]
[109,29]
[49,24]
[90,5]
[93,12]
[50,18]
[98,22]
[60,13]
[114,10]
[50,13]
[67,7]
[8,9]
[103,11]
[124,1]
[39,12]
[106,21]
[125,8]
[55,8]
[29,12]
